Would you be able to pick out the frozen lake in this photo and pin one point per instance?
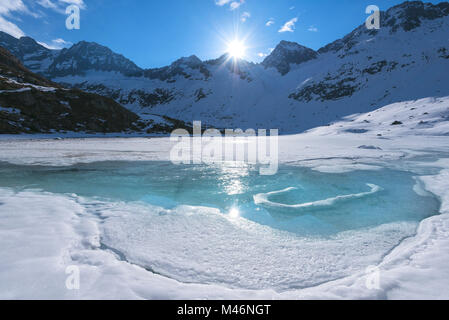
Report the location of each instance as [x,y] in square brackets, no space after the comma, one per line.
[228,225]
[138,226]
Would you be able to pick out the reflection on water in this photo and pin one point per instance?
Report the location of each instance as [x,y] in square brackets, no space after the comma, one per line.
[231,189]
[231,175]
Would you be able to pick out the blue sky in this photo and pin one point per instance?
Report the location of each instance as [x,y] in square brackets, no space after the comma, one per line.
[154,33]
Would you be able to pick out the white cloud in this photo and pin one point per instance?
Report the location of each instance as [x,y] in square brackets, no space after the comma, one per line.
[222,2]
[10,28]
[61,41]
[47,4]
[263,54]
[12,5]
[270,22]
[313,29]
[79,3]
[289,26]
[292,8]
[233,4]
[236,4]
[60,5]
[245,16]
[56,44]
[6,8]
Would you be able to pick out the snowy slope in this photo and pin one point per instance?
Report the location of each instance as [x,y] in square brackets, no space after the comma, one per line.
[429,116]
[34,56]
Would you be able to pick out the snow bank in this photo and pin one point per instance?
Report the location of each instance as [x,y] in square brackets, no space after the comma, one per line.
[263,199]
[46,233]
[42,234]
[428,116]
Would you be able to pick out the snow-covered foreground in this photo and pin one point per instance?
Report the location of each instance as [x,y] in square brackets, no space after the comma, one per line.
[43,233]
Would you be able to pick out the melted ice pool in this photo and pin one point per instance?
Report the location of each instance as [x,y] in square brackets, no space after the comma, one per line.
[228,225]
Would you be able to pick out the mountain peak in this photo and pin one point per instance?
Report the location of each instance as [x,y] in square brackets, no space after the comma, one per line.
[289,45]
[184,67]
[4,35]
[220,60]
[287,53]
[84,56]
[27,50]
[406,16]
[89,48]
[27,40]
[29,45]
[410,14]
[21,46]
[191,62]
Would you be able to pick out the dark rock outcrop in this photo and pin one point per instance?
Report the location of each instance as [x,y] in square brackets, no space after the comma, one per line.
[32,104]
[288,53]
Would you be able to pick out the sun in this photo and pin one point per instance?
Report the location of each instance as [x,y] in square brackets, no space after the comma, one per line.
[236,49]
[234,213]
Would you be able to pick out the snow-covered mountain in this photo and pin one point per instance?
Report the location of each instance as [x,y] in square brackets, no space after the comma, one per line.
[36,57]
[30,103]
[294,89]
[286,54]
[85,56]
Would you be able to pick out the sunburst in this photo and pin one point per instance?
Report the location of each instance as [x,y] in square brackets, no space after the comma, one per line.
[236,49]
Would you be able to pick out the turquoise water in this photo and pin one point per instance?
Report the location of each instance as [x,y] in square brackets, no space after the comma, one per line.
[229,226]
[304,202]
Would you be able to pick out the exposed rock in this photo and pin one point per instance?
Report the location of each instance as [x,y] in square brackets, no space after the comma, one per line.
[32,104]
[288,53]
